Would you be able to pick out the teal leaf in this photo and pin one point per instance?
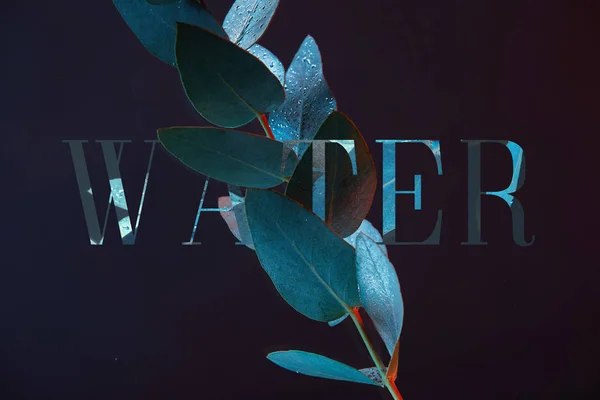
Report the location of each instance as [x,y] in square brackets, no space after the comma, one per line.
[348,197]
[379,290]
[236,220]
[160,2]
[308,98]
[368,229]
[229,216]
[318,192]
[318,366]
[227,85]
[154,22]
[311,267]
[338,321]
[235,217]
[234,157]
[247,20]
[270,60]
[373,374]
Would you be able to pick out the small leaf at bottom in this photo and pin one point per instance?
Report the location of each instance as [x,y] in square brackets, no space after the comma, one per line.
[318,366]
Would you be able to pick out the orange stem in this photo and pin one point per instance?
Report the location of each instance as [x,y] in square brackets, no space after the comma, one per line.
[265,124]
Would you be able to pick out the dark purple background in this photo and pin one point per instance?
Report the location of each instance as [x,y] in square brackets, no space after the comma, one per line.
[493,322]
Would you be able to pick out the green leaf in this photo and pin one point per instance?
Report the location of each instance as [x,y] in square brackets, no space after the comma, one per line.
[227,85]
[161,2]
[379,290]
[247,20]
[318,366]
[311,267]
[348,197]
[229,216]
[235,216]
[338,321]
[368,229]
[234,157]
[308,99]
[153,22]
[270,60]
[373,374]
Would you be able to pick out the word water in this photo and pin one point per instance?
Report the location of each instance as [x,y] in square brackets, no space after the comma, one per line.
[117,197]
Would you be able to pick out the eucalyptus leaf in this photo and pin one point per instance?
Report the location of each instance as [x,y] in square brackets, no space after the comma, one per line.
[379,290]
[239,210]
[338,321]
[270,60]
[247,20]
[154,22]
[368,229]
[308,98]
[318,366]
[348,197]
[234,157]
[311,267]
[318,192]
[236,220]
[161,2]
[229,216]
[227,85]
[373,374]
[235,217]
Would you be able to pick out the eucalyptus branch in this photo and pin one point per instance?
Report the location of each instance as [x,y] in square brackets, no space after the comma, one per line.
[325,260]
[389,383]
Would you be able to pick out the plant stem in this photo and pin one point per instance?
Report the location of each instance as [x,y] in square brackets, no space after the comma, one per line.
[265,124]
[389,384]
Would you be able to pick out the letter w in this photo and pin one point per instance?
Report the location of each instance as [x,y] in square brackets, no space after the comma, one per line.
[117,192]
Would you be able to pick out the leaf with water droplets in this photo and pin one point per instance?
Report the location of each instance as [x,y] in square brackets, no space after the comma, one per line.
[379,290]
[312,268]
[234,157]
[227,85]
[154,23]
[247,20]
[368,229]
[309,100]
[270,60]
[348,197]
[373,374]
[318,366]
